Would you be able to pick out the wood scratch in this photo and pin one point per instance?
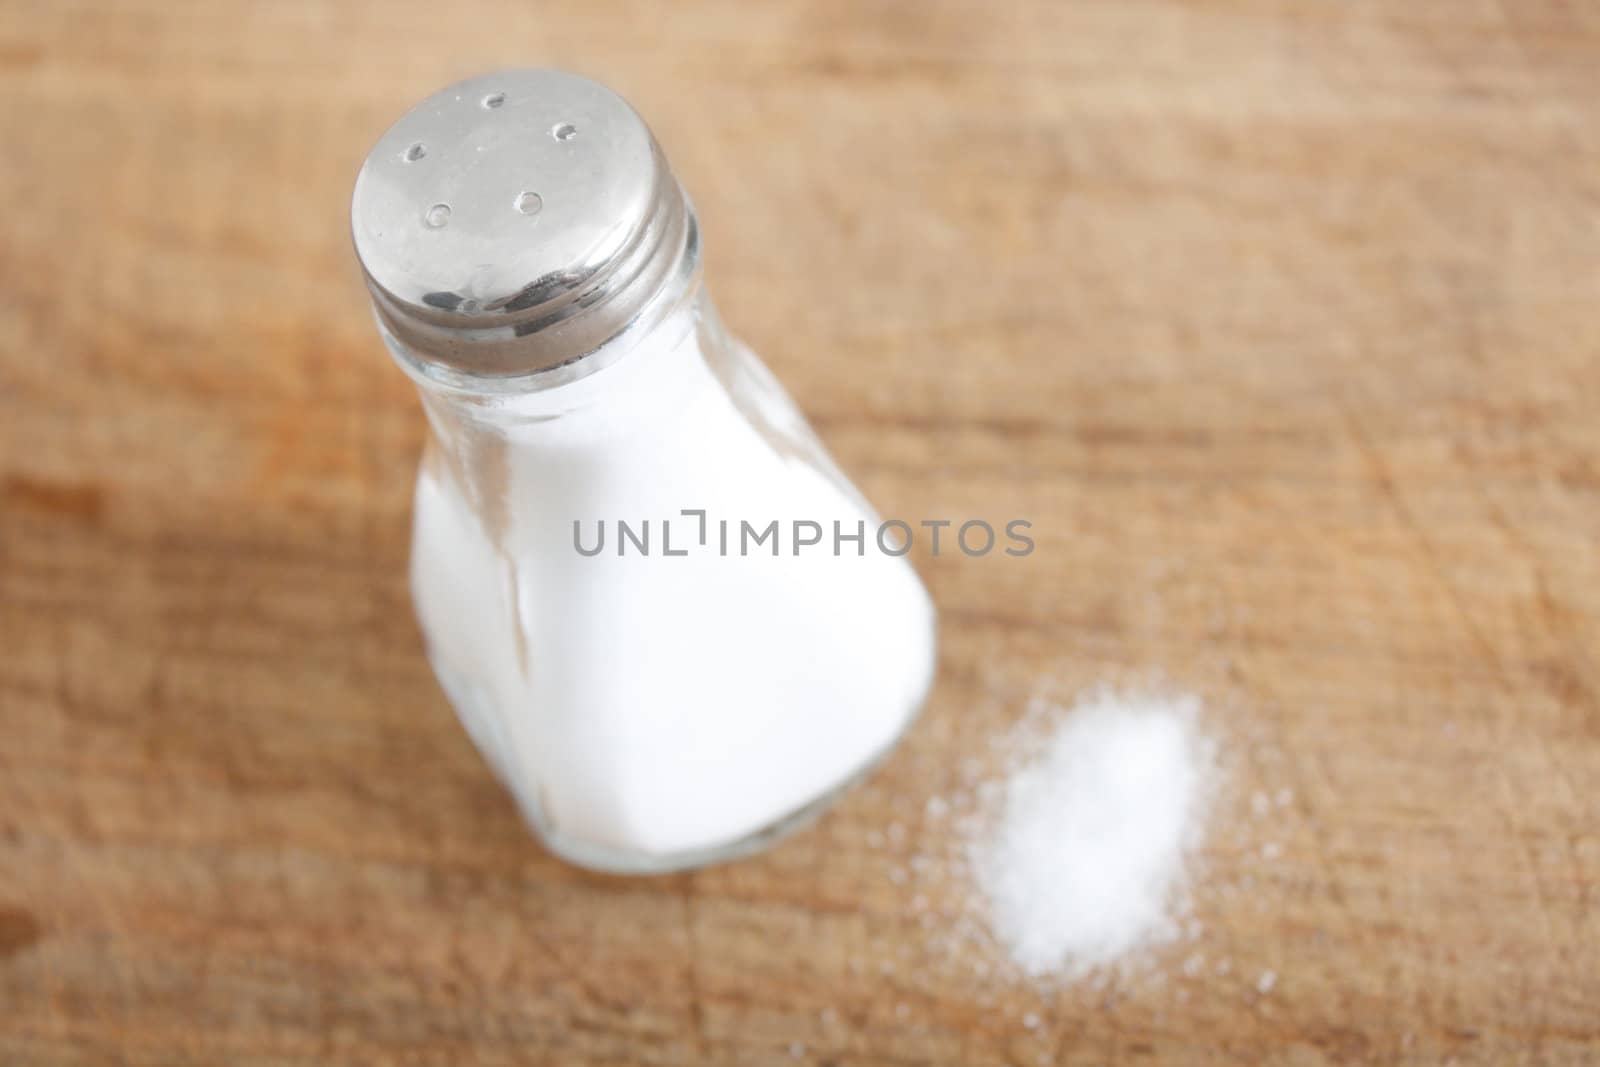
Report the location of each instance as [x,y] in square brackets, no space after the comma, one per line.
[692,972]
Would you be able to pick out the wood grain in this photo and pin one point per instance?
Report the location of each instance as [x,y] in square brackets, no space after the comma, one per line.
[1277,319]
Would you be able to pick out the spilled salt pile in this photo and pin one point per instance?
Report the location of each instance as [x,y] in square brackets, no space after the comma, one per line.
[1082,860]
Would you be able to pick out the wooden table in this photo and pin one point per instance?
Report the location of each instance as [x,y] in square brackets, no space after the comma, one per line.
[1280,320]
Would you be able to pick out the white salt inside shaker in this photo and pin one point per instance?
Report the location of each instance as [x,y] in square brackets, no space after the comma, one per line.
[534,267]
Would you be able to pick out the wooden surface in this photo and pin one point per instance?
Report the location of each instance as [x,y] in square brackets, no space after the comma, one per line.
[1281,321]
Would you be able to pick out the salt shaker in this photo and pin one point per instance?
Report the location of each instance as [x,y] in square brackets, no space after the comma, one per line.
[669,623]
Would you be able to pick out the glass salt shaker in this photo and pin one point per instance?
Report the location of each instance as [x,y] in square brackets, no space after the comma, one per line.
[670,624]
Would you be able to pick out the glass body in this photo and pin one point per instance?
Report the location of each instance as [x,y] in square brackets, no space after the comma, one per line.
[621,597]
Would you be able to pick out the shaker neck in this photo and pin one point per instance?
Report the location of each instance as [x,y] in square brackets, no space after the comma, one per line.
[675,281]
[634,376]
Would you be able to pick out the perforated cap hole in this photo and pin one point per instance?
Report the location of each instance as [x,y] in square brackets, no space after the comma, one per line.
[494,100]
[564,131]
[415,152]
[529,203]
[436,216]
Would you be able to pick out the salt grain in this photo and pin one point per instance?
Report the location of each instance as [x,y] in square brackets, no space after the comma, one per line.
[1085,861]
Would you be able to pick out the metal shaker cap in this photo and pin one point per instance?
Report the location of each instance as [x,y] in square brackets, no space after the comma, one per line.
[513,224]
